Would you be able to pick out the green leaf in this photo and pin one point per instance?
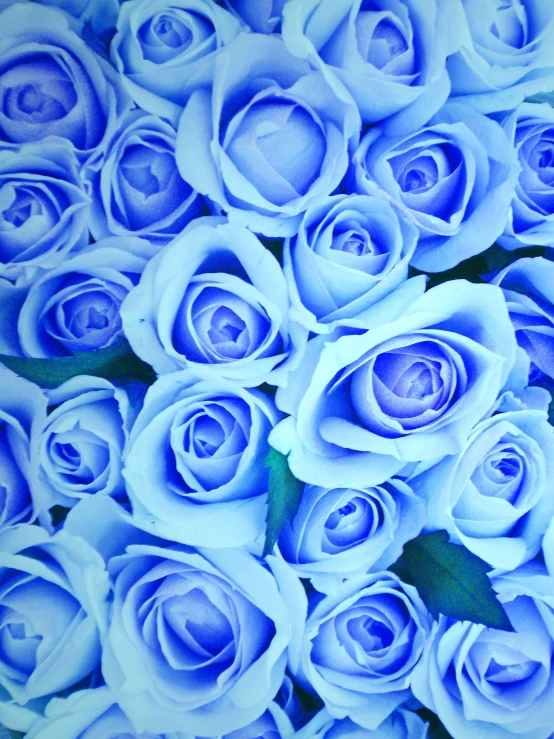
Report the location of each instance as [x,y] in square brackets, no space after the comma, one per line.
[436,729]
[113,363]
[541,97]
[451,580]
[275,246]
[285,492]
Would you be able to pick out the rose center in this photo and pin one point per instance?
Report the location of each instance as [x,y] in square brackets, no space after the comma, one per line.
[172,33]
[208,436]
[420,178]
[380,38]
[510,673]
[167,31]
[353,243]
[198,622]
[372,634]
[91,311]
[96,319]
[508,467]
[68,453]
[226,327]
[49,97]
[510,24]
[23,207]
[419,381]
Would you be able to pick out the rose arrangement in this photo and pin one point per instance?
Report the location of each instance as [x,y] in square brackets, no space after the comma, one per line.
[276,369]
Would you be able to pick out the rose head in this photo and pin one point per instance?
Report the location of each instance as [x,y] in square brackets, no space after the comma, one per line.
[361,645]
[22,411]
[390,55]
[494,496]
[483,682]
[80,446]
[136,187]
[86,713]
[343,532]
[270,138]
[215,300]
[75,307]
[455,179]
[529,291]
[165,50]
[197,638]
[411,390]
[99,15]
[351,252]
[531,220]
[53,595]
[401,724]
[505,53]
[209,438]
[52,83]
[44,209]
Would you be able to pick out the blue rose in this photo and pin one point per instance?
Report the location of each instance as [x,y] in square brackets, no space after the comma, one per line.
[135,185]
[99,15]
[494,496]
[165,50]
[529,291]
[214,300]
[351,252]
[344,532]
[364,405]
[88,713]
[505,52]
[81,445]
[52,83]
[489,684]
[455,179]
[401,724]
[53,611]
[361,645]
[530,128]
[44,208]
[270,138]
[74,307]
[390,55]
[22,410]
[209,437]
[263,16]
[197,638]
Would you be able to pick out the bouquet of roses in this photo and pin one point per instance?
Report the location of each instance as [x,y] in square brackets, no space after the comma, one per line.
[276,369]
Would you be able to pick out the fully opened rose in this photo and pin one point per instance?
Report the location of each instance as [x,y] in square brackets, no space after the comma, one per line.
[137,188]
[52,83]
[455,178]
[390,55]
[217,300]
[360,647]
[269,139]
[209,679]
[409,390]
[276,369]
[210,439]
[44,208]
[76,306]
